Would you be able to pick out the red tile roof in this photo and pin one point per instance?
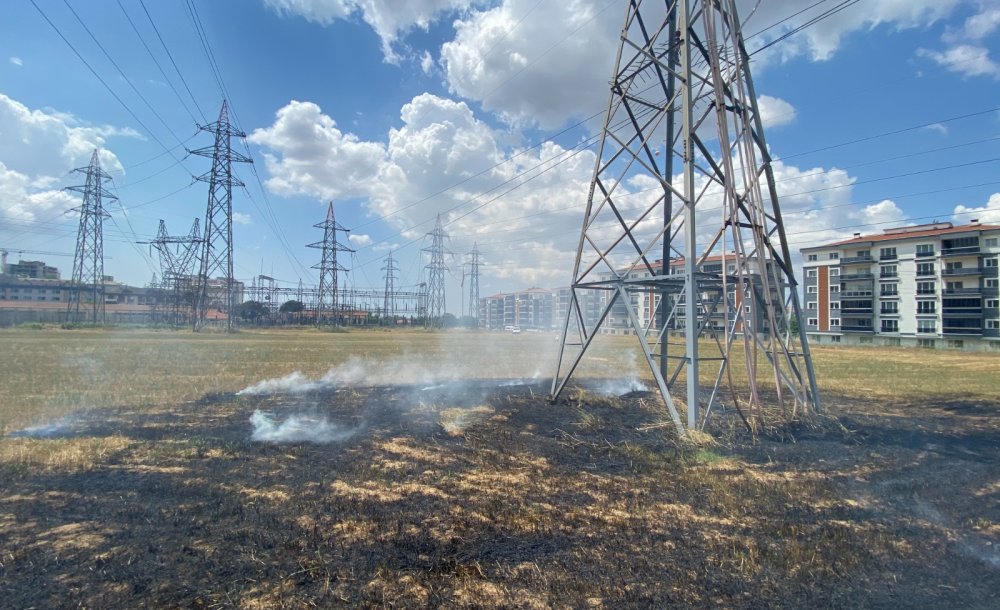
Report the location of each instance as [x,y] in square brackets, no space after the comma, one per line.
[915,233]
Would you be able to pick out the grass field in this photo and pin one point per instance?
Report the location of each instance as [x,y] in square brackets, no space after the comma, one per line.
[444,486]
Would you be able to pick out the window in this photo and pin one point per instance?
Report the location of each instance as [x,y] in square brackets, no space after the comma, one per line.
[992,304]
[926,326]
[893,342]
[834,321]
[992,324]
[812,322]
[926,306]
[888,271]
[890,307]
[747,309]
[925,249]
[834,256]
[953,286]
[864,254]
[835,339]
[956,344]
[953,265]
[811,305]
[925,269]
[887,253]
[813,257]
[925,287]
[991,242]
[888,290]
[865,340]
[834,271]
[834,288]
[812,289]
[890,326]
[835,305]
[810,273]
[925,343]
[989,262]
[991,283]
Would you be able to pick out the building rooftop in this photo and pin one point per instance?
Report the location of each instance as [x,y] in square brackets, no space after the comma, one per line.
[911,232]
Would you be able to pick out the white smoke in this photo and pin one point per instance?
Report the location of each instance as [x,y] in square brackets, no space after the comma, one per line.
[297,428]
[349,373]
[628,383]
[55,428]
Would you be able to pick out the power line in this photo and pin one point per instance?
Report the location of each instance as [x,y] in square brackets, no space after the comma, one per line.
[102,81]
[166,78]
[172,62]
[122,73]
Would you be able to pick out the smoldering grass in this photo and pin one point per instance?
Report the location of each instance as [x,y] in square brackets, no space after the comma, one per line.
[297,428]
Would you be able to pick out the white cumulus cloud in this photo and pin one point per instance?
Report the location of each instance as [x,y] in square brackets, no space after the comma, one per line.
[360,240]
[988,213]
[315,158]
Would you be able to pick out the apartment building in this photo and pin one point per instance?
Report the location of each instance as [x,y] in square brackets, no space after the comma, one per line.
[931,285]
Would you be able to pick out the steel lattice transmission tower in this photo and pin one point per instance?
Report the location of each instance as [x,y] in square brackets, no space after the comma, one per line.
[178,256]
[435,273]
[88,262]
[389,300]
[474,283]
[217,246]
[328,266]
[682,97]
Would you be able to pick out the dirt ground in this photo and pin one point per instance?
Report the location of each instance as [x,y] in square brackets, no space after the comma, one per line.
[485,495]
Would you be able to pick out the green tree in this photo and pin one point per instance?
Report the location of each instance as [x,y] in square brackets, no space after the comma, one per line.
[251,310]
[292,306]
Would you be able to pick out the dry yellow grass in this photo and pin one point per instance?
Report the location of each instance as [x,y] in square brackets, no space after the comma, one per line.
[493,498]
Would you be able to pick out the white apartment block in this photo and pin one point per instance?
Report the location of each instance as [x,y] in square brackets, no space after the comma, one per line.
[932,285]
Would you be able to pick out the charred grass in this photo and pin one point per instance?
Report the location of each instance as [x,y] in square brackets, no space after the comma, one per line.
[492,497]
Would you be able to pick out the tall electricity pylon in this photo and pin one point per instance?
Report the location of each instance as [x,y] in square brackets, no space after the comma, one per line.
[681,85]
[389,301]
[435,274]
[328,265]
[88,262]
[217,247]
[474,283]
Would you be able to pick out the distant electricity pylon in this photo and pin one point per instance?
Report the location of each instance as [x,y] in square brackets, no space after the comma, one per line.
[217,246]
[178,256]
[88,262]
[474,283]
[435,273]
[389,301]
[328,265]
[681,85]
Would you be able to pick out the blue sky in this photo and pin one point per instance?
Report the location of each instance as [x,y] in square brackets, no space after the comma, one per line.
[399,112]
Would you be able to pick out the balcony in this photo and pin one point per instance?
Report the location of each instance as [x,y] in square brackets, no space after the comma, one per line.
[957,291]
[961,330]
[960,251]
[857,311]
[848,328]
[889,275]
[862,275]
[989,271]
[926,293]
[855,293]
[887,257]
[961,271]
[925,254]
[857,260]
[883,312]
[925,272]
